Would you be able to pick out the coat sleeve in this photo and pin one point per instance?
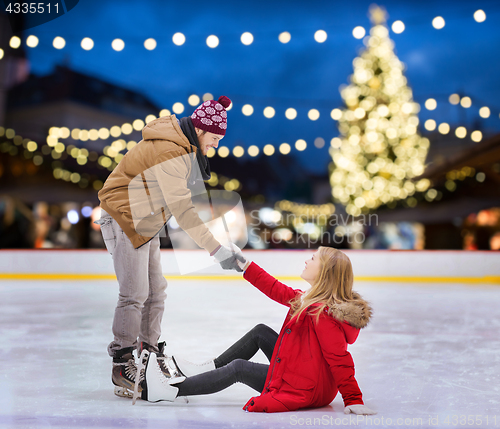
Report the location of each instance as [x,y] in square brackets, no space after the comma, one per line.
[172,179]
[270,286]
[334,348]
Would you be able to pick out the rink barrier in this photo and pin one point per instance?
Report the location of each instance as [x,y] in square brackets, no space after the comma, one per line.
[472,267]
[76,277]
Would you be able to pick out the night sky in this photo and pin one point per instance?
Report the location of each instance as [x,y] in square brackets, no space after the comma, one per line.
[303,74]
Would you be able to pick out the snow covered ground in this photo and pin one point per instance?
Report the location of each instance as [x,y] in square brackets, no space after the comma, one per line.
[430,358]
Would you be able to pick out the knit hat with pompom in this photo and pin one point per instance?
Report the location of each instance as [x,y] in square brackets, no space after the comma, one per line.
[211,115]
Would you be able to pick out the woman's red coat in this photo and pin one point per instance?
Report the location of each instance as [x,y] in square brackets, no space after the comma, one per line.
[310,362]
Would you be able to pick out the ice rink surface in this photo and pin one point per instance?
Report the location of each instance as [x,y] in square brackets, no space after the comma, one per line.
[430,357]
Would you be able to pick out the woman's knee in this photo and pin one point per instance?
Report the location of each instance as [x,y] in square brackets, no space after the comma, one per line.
[261,328]
[237,367]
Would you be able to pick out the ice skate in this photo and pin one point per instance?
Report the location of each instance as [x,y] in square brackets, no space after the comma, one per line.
[166,363]
[190,369]
[156,387]
[124,374]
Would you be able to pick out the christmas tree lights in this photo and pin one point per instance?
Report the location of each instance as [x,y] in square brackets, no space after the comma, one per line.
[381,151]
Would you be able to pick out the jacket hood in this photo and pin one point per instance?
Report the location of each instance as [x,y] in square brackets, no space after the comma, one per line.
[354,315]
[166,128]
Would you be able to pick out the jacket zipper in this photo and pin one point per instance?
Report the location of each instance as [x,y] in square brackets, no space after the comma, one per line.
[274,363]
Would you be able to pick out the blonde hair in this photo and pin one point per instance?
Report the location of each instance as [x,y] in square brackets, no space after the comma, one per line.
[332,286]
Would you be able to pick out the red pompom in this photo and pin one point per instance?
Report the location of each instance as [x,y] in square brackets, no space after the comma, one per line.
[225,101]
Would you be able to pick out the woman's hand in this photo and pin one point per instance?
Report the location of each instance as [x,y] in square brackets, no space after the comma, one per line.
[358,409]
[243,264]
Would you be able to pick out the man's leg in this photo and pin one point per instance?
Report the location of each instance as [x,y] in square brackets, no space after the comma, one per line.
[131,268]
[152,312]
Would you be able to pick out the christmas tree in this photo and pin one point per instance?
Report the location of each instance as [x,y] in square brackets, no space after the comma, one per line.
[380,149]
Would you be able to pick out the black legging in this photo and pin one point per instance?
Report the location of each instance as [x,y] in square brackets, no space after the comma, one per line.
[233,366]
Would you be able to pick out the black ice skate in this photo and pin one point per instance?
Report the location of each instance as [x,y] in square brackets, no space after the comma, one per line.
[124,373]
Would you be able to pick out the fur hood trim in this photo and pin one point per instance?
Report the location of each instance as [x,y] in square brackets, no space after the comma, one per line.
[357,313]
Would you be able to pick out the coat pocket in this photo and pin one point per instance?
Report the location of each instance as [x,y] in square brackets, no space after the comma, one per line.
[108,234]
[298,382]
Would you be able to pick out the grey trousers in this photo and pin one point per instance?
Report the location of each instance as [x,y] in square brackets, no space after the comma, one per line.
[141,298]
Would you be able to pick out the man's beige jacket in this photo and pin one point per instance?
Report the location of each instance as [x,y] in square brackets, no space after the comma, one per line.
[150,184]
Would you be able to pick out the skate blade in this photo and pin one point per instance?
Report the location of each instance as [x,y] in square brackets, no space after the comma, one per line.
[140,369]
[123,392]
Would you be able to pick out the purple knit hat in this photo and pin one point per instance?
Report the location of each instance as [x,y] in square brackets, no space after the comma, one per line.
[211,116]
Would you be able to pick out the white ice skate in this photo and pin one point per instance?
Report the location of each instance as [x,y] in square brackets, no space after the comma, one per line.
[190,369]
[156,387]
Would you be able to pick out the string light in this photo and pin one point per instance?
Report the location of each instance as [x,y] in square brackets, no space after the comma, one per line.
[466,102]
[476,136]
[268,149]
[438,22]
[284,37]
[247,110]
[179,39]
[320,36]
[247,38]
[59,42]
[484,112]
[336,114]
[398,27]
[15,42]
[290,113]
[313,114]
[1,53]
[238,151]
[253,151]
[479,15]
[430,104]
[118,45]
[178,108]
[305,210]
[150,44]
[319,142]
[32,41]
[430,125]
[87,43]
[461,132]
[285,148]
[223,151]
[300,145]
[444,128]
[194,100]
[269,112]
[358,32]
[454,99]
[212,41]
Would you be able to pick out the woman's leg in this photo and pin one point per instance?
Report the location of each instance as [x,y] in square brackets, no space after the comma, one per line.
[239,370]
[261,337]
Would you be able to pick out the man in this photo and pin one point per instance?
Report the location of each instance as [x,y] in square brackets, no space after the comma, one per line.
[149,185]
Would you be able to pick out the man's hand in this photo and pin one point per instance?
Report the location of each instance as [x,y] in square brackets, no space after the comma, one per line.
[228,258]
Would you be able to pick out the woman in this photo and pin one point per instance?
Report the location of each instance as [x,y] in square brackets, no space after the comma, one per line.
[309,361]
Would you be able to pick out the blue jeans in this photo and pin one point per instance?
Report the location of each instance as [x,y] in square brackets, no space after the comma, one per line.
[233,366]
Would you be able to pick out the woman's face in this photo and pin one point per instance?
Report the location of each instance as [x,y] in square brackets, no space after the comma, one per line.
[312,268]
